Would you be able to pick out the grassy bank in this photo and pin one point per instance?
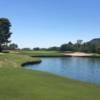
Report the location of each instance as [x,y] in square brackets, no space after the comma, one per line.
[17,83]
[14,60]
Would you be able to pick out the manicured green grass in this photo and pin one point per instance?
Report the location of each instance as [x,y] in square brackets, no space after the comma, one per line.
[42,53]
[17,83]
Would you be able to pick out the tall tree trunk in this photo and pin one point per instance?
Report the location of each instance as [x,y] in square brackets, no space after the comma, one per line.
[0,48]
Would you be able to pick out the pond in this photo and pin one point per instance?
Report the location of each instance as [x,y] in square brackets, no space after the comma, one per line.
[84,69]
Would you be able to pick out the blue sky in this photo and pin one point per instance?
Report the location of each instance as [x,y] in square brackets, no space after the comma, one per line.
[45,23]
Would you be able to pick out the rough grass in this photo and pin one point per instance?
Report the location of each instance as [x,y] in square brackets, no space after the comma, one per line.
[17,83]
[14,60]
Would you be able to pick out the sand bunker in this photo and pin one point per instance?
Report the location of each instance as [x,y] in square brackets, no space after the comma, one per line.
[78,54]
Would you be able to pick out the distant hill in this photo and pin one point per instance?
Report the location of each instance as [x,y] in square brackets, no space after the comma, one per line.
[95,41]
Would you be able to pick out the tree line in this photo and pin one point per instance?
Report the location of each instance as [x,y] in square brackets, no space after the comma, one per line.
[86,47]
[80,46]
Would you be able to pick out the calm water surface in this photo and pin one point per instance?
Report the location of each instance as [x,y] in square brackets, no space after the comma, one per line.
[84,69]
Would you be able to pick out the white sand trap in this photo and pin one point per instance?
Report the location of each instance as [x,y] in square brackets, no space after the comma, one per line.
[78,54]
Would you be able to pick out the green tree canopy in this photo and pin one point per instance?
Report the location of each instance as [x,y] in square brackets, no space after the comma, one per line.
[13,46]
[4,31]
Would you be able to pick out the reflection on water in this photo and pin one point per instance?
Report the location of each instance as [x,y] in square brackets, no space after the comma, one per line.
[84,69]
